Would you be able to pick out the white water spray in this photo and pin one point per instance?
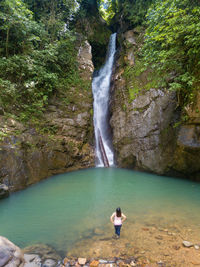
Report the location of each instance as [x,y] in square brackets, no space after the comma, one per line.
[100,88]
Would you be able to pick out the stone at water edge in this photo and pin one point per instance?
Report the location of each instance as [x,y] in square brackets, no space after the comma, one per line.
[94,263]
[65,261]
[10,255]
[49,263]
[187,244]
[32,260]
[82,261]
[4,191]
[132,263]
[103,261]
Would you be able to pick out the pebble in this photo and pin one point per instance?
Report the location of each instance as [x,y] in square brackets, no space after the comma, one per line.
[176,247]
[82,261]
[196,246]
[159,237]
[187,244]
[31,264]
[94,263]
[103,261]
[49,263]
[65,261]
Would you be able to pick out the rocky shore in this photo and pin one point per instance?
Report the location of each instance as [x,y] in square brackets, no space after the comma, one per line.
[141,245]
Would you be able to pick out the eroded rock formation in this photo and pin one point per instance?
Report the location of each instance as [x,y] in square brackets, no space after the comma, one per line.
[62,141]
[142,135]
[147,130]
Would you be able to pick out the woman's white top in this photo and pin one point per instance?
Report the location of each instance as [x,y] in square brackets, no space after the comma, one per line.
[117,220]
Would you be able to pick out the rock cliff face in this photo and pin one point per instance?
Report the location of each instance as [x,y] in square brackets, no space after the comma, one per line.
[142,134]
[145,131]
[63,143]
[187,153]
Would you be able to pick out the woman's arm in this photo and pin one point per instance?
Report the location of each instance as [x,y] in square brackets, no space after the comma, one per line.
[123,217]
[111,218]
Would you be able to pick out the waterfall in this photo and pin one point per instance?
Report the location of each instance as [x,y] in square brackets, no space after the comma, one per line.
[100,88]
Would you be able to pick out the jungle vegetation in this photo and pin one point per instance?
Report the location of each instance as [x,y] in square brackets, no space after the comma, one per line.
[38,46]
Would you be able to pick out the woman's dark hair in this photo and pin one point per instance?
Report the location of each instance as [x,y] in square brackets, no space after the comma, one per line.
[118,212]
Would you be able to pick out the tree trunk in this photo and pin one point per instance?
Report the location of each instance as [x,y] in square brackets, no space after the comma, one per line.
[7,40]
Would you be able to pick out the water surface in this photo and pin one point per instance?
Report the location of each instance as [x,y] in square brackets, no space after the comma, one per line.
[70,207]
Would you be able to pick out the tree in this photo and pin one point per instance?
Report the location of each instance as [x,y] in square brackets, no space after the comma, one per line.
[38,54]
[54,14]
[15,20]
[172,44]
[108,9]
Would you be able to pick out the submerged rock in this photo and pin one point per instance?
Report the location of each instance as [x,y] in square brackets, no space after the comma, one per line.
[44,252]
[49,263]
[10,254]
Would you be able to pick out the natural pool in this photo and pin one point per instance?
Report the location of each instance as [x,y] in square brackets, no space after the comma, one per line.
[75,207]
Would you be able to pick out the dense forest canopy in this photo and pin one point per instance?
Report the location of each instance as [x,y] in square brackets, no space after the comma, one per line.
[172,45]
[38,55]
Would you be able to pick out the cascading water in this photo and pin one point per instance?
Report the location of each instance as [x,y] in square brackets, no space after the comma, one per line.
[100,88]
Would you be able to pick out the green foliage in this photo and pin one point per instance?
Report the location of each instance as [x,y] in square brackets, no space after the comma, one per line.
[16,26]
[38,54]
[172,45]
[108,9]
[54,15]
[2,135]
[134,11]
[27,81]
[139,79]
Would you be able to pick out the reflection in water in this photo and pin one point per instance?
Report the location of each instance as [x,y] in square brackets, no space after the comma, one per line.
[72,207]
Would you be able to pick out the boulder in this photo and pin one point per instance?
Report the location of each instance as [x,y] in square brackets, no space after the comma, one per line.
[32,260]
[129,37]
[10,254]
[4,191]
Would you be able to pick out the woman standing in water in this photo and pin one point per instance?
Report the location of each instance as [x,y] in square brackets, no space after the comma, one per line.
[117,218]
